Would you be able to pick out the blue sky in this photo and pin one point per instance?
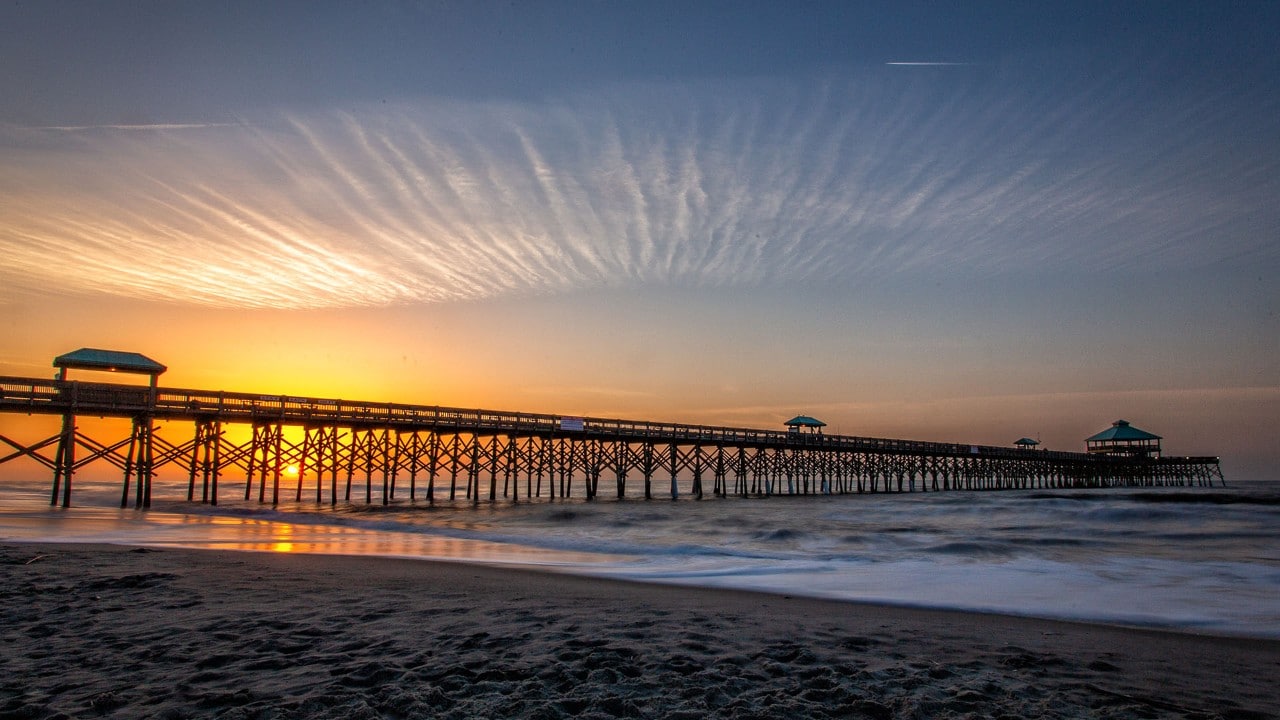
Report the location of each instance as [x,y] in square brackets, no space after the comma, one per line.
[726,213]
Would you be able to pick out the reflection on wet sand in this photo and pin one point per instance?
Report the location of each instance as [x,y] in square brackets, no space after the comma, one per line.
[93,525]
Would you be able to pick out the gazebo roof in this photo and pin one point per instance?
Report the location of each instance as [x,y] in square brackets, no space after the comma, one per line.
[1026,441]
[109,360]
[804,421]
[1122,430]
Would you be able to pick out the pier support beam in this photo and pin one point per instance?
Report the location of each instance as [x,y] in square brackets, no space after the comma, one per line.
[65,461]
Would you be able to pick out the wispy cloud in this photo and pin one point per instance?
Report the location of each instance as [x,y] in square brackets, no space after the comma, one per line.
[151,126]
[1070,416]
[1042,399]
[752,183]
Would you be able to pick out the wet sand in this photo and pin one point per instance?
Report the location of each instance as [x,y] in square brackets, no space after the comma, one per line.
[104,631]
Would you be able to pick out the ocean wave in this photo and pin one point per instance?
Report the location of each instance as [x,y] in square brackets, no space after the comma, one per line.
[974,549]
[779,534]
[1254,496]
[1099,556]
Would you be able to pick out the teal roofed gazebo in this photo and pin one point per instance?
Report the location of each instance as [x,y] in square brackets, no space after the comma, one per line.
[1125,440]
[108,361]
[804,423]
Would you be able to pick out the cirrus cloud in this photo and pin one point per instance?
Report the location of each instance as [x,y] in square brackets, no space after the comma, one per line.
[750,183]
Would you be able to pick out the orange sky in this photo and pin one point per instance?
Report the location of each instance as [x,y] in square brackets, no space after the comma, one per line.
[540,355]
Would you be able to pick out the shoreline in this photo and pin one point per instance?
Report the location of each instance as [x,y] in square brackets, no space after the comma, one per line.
[515,567]
[114,630]
[1222,586]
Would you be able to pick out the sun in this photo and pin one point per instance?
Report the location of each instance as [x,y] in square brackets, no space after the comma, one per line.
[291,469]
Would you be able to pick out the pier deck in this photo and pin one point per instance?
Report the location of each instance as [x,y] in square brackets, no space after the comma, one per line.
[438,448]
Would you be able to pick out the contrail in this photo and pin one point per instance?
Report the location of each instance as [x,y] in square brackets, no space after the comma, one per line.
[154,126]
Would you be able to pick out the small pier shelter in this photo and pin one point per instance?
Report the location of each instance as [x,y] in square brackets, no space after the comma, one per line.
[108,361]
[1123,439]
[1026,443]
[805,424]
[132,401]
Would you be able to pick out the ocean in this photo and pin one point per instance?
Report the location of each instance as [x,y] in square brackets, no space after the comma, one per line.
[1203,560]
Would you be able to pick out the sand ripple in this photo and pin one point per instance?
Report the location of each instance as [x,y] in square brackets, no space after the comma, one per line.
[109,632]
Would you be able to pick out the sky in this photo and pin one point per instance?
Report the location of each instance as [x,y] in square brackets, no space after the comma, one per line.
[965,222]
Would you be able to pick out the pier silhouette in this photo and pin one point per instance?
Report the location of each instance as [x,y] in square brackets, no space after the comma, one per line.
[443,453]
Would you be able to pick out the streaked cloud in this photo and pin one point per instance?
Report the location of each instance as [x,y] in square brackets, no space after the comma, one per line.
[1042,400]
[157,126]
[742,184]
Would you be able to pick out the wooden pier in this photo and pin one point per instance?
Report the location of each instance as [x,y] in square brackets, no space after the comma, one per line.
[389,451]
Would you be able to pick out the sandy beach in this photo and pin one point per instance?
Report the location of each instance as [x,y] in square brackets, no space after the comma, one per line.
[106,631]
